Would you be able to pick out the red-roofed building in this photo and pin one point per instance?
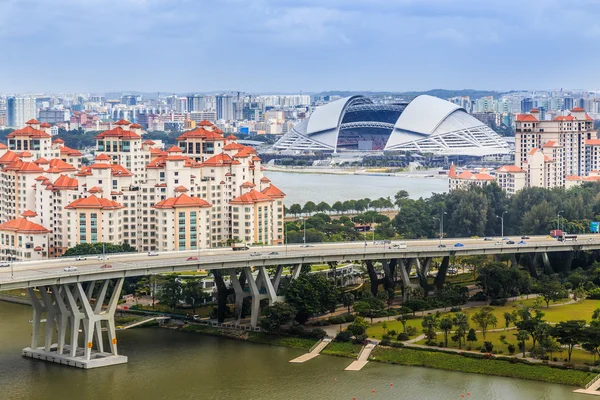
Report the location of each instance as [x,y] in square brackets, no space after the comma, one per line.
[25,240]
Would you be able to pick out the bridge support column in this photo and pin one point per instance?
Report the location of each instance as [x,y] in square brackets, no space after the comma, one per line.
[70,304]
[405,266]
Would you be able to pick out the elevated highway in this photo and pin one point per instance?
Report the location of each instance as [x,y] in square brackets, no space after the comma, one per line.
[70,299]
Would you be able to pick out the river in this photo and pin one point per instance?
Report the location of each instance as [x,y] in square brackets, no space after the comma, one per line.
[172,365]
[302,187]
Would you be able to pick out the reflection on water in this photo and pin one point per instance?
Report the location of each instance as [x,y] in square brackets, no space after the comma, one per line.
[301,188]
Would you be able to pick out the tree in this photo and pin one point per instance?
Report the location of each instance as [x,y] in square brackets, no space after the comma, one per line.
[311,294]
[150,285]
[522,337]
[276,316]
[569,333]
[295,209]
[416,305]
[471,337]
[508,318]
[484,318]
[551,290]
[446,325]
[309,208]
[499,281]
[83,249]
[193,292]
[358,326]
[430,324]
[590,339]
[338,207]
[171,291]
[323,207]
[461,322]
[348,300]
[369,307]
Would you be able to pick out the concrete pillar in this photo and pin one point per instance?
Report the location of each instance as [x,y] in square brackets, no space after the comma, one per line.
[240,294]
[76,317]
[267,285]
[38,309]
[51,315]
[255,297]
[62,317]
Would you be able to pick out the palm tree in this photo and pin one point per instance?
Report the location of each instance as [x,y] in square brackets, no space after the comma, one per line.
[446,325]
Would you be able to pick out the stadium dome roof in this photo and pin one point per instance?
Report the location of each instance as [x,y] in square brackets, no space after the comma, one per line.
[427,125]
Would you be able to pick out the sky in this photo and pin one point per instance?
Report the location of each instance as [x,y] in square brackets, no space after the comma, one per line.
[262,46]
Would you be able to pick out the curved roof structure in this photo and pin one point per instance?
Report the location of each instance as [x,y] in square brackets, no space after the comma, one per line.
[426,125]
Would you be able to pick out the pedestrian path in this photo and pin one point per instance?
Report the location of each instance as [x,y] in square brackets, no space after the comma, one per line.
[591,388]
[362,359]
[314,352]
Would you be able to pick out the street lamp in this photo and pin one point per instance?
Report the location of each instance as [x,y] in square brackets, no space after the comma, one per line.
[304,238]
[441,219]
[558,220]
[502,226]
[372,225]
[285,237]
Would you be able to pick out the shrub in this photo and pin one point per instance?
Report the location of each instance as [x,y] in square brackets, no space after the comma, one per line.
[343,336]
[338,319]
[498,302]
[411,331]
[316,333]
[360,339]
[402,336]
[441,344]
[392,333]
[479,296]
[594,294]
[385,342]
[350,318]
[385,337]
[455,309]
[488,346]
[511,350]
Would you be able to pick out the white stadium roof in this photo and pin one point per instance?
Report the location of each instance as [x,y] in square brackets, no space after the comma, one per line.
[426,125]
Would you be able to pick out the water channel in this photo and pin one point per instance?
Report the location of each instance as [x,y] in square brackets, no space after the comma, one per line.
[166,364]
[302,187]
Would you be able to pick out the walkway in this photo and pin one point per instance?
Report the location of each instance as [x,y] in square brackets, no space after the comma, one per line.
[314,352]
[362,359]
[592,389]
[142,322]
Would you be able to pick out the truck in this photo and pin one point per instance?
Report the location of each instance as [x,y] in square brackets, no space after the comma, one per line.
[566,236]
[239,246]
[556,233]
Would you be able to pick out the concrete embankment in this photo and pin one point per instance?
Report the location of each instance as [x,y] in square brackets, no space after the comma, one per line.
[14,299]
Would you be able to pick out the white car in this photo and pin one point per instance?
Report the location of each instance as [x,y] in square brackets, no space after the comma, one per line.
[102,258]
[80,258]
[4,264]
[152,253]
[70,269]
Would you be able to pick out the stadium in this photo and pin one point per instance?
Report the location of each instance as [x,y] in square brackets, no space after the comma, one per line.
[425,125]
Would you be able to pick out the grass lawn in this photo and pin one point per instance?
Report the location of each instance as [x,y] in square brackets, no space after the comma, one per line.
[553,314]
[480,366]
[342,349]
[319,267]
[493,337]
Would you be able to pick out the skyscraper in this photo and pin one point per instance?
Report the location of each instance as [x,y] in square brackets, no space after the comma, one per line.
[194,103]
[224,107]
[19,110]
[526,105]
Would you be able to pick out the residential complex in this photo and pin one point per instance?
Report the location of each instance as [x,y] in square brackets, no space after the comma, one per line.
[557,153]
[207,191]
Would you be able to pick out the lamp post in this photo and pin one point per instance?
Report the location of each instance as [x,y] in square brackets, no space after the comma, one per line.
[304,237]
[558,220]
[285,237]
[502,224]
[372,225]
[442,225]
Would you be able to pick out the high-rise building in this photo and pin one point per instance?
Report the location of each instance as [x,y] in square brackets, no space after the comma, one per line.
[195,103]
[53,116]
[224,107]
[526,105]
[20,110]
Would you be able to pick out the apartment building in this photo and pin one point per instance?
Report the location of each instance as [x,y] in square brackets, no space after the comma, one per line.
[205,192]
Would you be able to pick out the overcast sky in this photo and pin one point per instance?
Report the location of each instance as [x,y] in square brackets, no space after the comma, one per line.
[294,45]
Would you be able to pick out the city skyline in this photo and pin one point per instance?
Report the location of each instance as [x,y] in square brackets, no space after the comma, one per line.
[268,46]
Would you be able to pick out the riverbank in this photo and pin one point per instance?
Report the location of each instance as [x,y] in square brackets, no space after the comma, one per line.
[477,364]
[432,173]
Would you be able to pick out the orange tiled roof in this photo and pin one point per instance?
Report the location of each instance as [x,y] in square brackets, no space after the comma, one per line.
[232,146]
[205,122]
[149,142]
[203,134]
[510,168]
[25,154]
[3,146]
[122,122]
[248,185]
[61,165]
[578,109]
[526,118]
[95,203]
[136,126]
[247,151]
[174,149]
[551,143]
[592,142]
[264,179]
[29,167]
[253,196]
[181,189]
[29,213]
[58,140]
[45,125]
[95,189]
[231,137]
[28,131]
[273,192]
[66,183]
[452,171]
[182,200]
[563,118]
[23,225]
[119,133]
[70,152]
[217,160]
[41,160]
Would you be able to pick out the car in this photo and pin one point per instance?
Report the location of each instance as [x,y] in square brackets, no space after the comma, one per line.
[522,242]
[459,244]
[510,242]
[102,258]
[254,254]
[106,266]
[488,239]
[442,246]
[152,253]
[524,237]
[274,253]
[590,239]
[196,317]
[4,264]
[192,259]
[505,238]
[70,269]
[80,258]
[452,271]
[307,245]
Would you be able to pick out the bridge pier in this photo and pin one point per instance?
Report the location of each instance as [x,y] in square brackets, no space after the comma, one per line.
[69,306]
[263,287]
